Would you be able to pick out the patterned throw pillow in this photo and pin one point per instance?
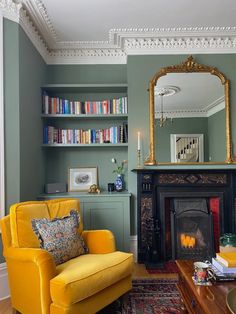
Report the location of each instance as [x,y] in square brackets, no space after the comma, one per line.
[60,236]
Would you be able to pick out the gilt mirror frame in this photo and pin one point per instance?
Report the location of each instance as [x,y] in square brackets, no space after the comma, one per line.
[188,66]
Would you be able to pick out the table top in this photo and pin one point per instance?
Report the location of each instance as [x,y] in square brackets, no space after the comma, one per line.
[212,298]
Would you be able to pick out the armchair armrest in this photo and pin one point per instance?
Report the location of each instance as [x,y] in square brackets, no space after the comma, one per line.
[99,241]
[33,255]
[30,271]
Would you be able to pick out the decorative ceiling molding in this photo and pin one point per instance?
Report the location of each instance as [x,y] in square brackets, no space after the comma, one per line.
[33,33]
[206,112]
[34,19]
[10,9]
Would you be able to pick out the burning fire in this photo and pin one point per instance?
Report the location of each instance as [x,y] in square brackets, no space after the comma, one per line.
[187,241]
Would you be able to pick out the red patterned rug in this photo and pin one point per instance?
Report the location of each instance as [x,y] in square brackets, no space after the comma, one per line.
[148,296]
[170,267]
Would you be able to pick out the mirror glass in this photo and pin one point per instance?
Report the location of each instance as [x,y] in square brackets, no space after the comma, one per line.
[190,118]
[189,115]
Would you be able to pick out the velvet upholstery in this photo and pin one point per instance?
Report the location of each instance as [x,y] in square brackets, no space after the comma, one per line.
[84,284]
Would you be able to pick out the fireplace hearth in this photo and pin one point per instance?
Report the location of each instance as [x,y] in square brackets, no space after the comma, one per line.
[183,213]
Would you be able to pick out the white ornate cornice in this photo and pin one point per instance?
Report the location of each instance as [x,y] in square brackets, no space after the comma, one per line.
[10,9]
[34,19]
[86,56]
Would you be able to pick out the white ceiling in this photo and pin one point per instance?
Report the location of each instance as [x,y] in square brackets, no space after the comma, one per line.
[91,20]
[107,31]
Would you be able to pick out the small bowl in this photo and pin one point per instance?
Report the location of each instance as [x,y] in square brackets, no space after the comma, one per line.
[231,301]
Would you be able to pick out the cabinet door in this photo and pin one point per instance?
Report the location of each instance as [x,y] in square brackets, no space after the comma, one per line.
[109,214]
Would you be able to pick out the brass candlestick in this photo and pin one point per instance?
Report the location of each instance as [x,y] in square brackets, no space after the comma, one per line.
[139,158]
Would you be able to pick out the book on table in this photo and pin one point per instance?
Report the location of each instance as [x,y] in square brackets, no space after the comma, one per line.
[222,268]
[219,275]
[227,258]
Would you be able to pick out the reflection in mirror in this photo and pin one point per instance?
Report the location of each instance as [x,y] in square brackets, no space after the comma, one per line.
[184,100]
[190,103]
[187,147]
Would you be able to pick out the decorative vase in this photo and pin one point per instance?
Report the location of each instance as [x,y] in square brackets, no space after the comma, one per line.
[119,183]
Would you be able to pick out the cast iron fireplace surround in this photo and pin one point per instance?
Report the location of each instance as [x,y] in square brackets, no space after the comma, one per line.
[158,193]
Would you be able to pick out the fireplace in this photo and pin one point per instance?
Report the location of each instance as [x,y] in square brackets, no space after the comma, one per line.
[192,234]
[183,213]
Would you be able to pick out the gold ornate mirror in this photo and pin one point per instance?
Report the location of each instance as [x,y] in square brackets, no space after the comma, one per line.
[189,115]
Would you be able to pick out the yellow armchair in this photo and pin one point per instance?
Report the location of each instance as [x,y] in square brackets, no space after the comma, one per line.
[84,284]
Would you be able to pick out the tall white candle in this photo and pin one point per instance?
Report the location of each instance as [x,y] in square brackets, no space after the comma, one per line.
[138,140]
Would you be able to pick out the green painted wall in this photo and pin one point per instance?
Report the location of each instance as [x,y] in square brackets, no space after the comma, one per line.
[216,135]
[32,73]
[83,74]
[140,69]
[24,73]
[179,126]
[12,111]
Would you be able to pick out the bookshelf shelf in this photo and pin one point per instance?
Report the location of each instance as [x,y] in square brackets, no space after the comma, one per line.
[85,116]
[87,145]
[85,88]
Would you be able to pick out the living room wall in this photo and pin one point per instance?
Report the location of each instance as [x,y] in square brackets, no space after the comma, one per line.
[24,73]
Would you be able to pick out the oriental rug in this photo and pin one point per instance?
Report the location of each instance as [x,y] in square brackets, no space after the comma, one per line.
[169,267]
[148,296]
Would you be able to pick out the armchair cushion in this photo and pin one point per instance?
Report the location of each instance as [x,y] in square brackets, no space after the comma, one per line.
[60,237]
[21,215]
[86,275]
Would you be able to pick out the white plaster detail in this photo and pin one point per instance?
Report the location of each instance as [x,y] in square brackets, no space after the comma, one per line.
[38,14]
[134,247]
[33,34]
[218,107]
[4,288]
[86,56]
[10,9]
[33,17]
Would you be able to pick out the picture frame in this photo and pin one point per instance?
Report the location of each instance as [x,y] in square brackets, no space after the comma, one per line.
[81,178]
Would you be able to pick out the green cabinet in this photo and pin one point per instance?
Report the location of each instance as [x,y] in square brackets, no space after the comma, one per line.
[104,211]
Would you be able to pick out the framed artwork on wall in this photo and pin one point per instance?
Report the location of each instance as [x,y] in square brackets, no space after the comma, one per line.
[80,179]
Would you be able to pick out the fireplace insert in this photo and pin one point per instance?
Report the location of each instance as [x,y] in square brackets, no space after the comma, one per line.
[192,234]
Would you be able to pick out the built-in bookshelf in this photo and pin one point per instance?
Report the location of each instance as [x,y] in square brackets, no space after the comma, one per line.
[104,103]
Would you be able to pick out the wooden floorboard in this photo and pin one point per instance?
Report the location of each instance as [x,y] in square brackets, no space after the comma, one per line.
[138,273]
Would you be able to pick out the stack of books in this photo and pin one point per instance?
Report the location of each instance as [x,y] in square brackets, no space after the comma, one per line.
[224,266]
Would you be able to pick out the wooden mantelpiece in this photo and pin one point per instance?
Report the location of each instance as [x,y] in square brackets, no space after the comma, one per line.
[155,186]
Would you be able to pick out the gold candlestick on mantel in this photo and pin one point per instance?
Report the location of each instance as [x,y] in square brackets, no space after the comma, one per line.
[139,158]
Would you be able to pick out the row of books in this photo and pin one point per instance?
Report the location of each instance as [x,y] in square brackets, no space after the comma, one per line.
[56,105]
[114,135]
[224,266]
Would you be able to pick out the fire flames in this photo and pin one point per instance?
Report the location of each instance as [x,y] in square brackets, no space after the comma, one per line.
[187,241]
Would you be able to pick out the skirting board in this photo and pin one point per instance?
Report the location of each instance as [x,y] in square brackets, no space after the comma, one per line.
[134,246]
[4,288]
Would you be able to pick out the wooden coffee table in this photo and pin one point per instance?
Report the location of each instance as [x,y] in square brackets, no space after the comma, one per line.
[202,299]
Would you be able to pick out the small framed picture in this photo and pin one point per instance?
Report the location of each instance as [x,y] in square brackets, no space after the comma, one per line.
[80,179]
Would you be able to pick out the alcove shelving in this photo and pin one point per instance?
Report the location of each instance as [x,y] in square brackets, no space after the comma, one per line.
[97,109]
